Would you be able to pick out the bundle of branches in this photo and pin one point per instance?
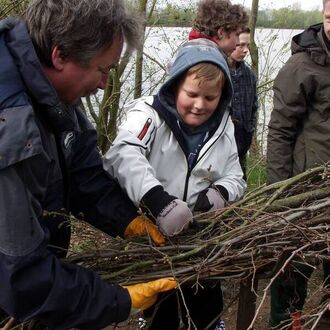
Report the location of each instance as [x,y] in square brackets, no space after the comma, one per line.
[263,231]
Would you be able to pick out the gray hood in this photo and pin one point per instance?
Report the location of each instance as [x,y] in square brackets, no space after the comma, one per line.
[190,54]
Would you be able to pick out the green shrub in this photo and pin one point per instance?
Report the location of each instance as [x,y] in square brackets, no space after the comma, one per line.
[256,172]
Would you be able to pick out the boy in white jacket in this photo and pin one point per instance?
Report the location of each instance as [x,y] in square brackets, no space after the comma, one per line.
[175,154]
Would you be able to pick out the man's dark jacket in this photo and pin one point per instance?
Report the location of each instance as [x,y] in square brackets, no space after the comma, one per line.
[49,163]
[299,128]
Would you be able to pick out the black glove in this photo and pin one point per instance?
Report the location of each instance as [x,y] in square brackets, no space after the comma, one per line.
[172,214]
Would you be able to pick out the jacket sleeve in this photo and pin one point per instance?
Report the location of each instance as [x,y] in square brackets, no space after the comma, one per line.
[127,158]
[34,283]
[93,191]
[232,175]
[290,106]
[254,104]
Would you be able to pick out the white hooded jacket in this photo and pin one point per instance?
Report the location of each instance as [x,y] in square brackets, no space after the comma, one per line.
[148,151]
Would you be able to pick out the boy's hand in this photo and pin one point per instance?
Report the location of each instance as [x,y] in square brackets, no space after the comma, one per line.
[209,200]
[174,218]
[172,214]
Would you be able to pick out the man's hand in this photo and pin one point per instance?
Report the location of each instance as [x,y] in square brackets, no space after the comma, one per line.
[142,226]
[209,200]
[175,217]
[144,295]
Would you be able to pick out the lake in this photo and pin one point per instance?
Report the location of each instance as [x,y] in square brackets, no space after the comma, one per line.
[161,45]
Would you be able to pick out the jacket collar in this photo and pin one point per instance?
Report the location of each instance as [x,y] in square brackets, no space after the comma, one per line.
[311,41]
[39,89]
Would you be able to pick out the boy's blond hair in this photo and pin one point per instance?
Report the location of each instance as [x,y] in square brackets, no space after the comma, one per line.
[207,72]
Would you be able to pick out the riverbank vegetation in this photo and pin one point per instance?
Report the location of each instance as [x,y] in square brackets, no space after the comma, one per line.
[174,15]
[283,18]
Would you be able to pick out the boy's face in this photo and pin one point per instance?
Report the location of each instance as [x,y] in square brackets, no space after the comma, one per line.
[227,41]
[242,48]
[196,102]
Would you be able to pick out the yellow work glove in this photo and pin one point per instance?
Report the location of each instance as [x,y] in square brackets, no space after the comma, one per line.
[141,226]
[144,295]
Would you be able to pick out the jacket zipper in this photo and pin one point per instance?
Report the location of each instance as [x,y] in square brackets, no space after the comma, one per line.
[198,159]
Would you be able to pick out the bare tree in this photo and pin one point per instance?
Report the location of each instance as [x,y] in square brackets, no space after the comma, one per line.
[106,112]
[142,7]
[252,26]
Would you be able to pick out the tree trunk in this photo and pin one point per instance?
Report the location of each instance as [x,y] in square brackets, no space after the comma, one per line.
[142,7]
[255,147]
[253,46]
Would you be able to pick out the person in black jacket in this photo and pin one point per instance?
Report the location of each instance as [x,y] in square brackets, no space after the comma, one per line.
[58,52]
[244,104]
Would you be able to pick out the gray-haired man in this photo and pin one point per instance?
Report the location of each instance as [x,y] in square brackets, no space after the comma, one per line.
[60,51]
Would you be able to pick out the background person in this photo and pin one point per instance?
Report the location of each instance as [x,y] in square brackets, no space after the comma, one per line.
[49,164]
[244,104]
[178,156]
[220,22]
[298,139]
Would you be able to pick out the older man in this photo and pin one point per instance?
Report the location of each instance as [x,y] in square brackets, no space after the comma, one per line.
[49,164]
